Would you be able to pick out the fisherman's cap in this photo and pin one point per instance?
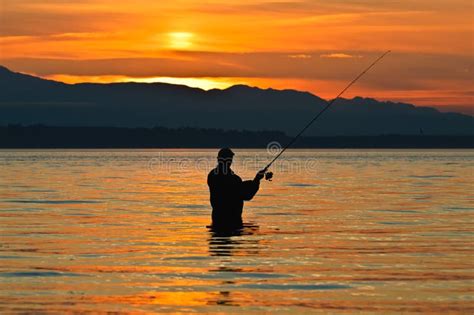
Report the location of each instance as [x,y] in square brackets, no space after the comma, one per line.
[225,153]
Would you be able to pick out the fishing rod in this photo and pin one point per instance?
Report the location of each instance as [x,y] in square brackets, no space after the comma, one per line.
[322,111]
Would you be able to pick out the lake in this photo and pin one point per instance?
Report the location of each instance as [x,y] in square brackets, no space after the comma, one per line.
[336,231]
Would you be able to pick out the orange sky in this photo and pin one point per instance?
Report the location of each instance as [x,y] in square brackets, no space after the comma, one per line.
[315,45]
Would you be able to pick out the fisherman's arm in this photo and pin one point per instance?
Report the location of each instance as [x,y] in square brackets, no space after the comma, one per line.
[250,187]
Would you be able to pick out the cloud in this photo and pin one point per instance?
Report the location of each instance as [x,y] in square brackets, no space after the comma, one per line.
[300,56]
[400,70]
[339,55]
[430,79]
[28,23]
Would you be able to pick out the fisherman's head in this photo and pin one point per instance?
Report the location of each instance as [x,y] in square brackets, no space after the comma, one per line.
[224,157]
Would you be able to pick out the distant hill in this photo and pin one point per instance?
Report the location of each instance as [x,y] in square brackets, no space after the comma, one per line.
[39,136]
[26,99]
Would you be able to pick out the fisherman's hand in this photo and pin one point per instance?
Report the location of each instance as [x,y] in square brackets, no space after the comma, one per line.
[260,174]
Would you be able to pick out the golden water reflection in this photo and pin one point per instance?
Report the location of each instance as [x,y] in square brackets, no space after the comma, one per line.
[360,231]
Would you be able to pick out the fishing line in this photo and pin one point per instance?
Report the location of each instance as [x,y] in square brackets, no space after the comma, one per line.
[325,108]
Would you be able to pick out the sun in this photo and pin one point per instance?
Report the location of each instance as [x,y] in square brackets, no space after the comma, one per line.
[180,40]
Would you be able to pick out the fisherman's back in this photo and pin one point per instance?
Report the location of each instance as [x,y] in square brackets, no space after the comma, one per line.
[226,197]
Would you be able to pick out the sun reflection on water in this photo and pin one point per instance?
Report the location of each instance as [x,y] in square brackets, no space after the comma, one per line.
[370,231]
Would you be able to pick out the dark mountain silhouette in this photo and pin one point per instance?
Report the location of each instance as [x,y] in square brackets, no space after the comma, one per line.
[39,136]
[26,99]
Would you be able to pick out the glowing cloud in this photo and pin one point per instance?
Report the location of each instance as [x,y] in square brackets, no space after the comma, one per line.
[180,40]
[339,55]
[300,56]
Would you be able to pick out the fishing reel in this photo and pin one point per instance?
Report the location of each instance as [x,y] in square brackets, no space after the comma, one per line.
[269,176]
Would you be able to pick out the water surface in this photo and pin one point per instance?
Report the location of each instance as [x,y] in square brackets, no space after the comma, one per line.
[335,231]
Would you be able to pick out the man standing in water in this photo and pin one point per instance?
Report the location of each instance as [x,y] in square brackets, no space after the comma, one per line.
[228,191]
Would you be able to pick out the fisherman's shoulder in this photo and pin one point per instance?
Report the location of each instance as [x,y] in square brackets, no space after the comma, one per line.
[236,177]
[213,174]
[229,175]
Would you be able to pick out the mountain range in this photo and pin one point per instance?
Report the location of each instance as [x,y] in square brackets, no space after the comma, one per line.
[26,99]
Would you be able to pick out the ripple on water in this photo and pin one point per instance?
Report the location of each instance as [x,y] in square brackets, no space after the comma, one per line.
[430,176]
[401,223]
[231,274]
[453,208]
[187,258]
[15,257]
[302,185]
[396,211]
[187,206]
[28,274]
[52,202]
[295,286]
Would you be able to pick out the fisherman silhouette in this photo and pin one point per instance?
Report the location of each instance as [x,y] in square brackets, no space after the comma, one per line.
[228,192]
